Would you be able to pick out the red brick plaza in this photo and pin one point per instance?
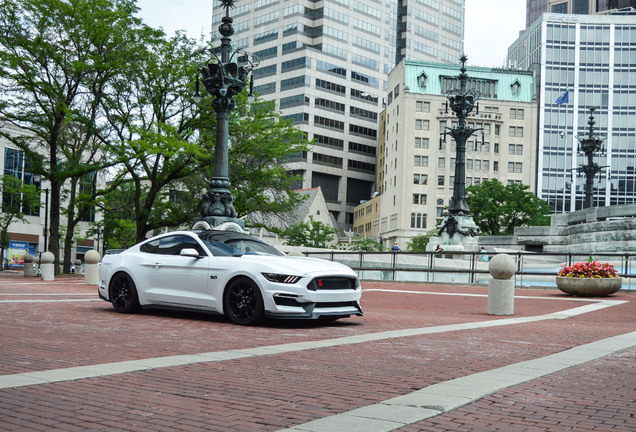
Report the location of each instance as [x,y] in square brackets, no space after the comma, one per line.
[423,358]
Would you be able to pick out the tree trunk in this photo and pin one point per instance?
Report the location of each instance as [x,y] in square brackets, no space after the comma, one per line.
[54,229]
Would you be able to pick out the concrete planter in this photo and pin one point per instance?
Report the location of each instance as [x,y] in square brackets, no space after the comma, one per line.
[589,287]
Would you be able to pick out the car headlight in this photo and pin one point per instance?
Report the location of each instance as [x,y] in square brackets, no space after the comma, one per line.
[281,278]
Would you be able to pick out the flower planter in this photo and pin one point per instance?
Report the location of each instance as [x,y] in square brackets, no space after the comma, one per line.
[589,287]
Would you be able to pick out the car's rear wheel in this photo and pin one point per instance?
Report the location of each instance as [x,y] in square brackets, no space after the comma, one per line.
[123,294]
[243,302]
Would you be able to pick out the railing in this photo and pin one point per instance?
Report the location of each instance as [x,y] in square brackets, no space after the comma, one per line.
[533,269]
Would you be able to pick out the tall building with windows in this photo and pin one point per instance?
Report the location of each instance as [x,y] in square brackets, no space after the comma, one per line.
[29,236]
[417,162]
[593,58]
[535,8]
[325,63]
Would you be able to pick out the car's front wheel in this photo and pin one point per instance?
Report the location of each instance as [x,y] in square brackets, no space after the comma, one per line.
[243,302]
[123,294]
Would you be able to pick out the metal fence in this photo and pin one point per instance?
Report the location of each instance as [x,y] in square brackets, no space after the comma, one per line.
[532,269]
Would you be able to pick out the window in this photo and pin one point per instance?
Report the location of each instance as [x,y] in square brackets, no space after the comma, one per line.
[511,149]
[515,167]
[422,125]
[440,180]
[485,165]
[516,114]
[172,245]
[422,106]
[421,143]
[516,131]
[469,164]
[519,149]
[441,162]
[18,166]
[477,164]
[495,166]
[420,179]
[419,199]
[418,220]
[421,161]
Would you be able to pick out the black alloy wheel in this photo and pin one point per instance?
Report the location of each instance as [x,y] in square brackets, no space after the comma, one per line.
[124,294]
[243,302]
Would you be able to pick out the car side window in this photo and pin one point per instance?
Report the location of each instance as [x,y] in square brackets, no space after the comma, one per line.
[172,245]
[150,247]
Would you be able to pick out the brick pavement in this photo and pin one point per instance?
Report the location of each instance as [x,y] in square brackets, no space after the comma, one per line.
[279,391]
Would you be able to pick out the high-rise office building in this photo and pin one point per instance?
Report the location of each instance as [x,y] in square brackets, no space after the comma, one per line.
[326,64]
[593,58]
[534,8]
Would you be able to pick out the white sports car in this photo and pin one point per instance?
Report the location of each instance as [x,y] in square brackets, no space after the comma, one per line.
[228,273]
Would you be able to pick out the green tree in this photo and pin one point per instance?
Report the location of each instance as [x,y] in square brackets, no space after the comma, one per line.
[158,132]
[263,141]
[365,244]
[418,243]
[18,198]
[58,58]
[498,209]
[312,234]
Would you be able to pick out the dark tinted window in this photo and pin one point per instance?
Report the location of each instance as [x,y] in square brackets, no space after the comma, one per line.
[234,244]
[150,247]
[171,245]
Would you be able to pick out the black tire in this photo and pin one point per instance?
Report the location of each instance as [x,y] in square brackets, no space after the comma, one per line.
[243,302]
[123,294]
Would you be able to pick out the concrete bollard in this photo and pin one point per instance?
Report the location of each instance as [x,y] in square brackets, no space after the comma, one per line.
[47,267]
[29,270]
[77,267]
[91,270]
[501,289]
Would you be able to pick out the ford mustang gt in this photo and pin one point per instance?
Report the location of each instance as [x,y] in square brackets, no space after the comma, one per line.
[227,273]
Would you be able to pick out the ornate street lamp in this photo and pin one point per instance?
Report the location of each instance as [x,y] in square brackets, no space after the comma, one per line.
[462,102]
[458,229]
[589,145]
[223,78]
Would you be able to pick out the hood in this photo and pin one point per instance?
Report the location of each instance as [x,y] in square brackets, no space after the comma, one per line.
[300,266]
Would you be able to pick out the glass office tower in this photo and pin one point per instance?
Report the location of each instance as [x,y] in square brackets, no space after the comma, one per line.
[326,63]
[593,58]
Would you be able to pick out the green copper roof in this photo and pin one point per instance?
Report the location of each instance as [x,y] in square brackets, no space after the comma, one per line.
[504,79]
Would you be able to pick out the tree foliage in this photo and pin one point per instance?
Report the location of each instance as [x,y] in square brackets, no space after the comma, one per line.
[58,58]
[365,244]
[313,234]
[498,209]
[418,243]
[157,125]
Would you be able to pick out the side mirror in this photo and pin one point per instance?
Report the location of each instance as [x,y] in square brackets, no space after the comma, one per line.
[190,252]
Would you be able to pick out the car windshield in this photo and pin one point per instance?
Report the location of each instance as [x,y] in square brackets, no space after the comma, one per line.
[233,244]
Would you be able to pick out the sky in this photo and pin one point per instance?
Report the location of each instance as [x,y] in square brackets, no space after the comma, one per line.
[491,25]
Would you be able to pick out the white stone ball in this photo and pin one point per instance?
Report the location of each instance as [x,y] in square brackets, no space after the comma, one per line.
[502,266]
[92,257]
[28,258]
[47,258]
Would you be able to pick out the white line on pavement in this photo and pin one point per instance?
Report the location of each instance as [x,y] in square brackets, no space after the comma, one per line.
[93,371]
[446,396]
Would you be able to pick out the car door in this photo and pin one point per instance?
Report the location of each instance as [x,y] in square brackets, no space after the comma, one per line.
[176,280]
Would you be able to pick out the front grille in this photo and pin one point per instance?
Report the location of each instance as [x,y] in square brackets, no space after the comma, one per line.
[336,304]
[332,283]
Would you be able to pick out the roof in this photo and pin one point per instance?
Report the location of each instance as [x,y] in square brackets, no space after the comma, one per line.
[504,78]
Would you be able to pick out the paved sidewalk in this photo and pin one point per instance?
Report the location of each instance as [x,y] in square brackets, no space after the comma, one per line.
[423,358]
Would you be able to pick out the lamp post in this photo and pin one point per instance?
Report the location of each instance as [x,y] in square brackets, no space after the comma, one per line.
[589,145]
[458,228]
[223,78]
[462,102]
[38,179]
